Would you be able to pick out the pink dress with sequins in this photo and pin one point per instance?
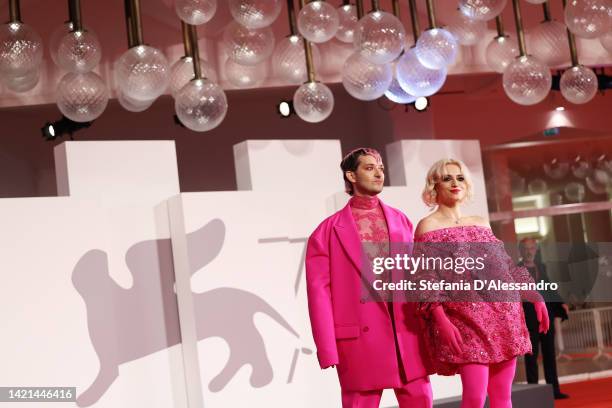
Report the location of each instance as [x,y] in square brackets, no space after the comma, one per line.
[492,332]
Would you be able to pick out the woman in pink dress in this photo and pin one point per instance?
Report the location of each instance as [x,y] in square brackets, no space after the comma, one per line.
[478,340]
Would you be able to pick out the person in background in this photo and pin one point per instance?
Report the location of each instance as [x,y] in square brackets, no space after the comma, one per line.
[528,248]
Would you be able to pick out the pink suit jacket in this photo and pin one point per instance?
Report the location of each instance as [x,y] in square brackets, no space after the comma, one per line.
[354,334]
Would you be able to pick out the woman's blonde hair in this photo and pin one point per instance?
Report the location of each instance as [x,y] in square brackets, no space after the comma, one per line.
[436,173]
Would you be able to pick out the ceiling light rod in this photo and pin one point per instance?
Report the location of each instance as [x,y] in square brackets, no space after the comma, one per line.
[414,18]
[359,4]
[308,51]
[499,24]
[14,11]
[195,51]
[186,41]
[518,21]
[132,9]
[291,14]
[572,42]
[546,10]
[431,14]
[346,2]
[74,11]
[375,5]
[396,8]
[128,23]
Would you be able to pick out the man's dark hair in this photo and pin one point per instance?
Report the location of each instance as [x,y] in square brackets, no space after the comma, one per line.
[351,162]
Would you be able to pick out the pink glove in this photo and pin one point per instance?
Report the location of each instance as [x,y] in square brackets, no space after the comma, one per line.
[448,332]
[542,315]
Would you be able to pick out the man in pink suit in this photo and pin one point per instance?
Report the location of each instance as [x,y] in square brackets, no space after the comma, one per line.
[373,345]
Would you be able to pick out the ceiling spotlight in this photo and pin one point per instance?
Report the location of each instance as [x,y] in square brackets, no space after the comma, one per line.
[421,103]
[560,108]
[285,108]
[53,130]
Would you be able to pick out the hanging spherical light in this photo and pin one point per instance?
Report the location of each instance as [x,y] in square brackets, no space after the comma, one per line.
[580,167]
[536,1]
[417,79]
[288,59]
[588,18]
[245,76]
[599,182]
[574,191]
[347,22]
[436,48]
[482,10]
[56,37]
[195,12]
[318,21]
[141,73]
[246,46]
[365,80]
[201,105]
[380,37]
[255,13]
[606,41]
[578,84]
[79,51]
[556,169]
[20,50]
[181,72]
[467,31]
[313,102]
[500,52]
[537,186]
[82,97]
[527,81]
[133,105]
[395,92]
[22,83]
[548,41]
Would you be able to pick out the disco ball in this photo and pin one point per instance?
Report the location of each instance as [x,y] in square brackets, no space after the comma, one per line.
[417,79]
[606,41]
[548,41]
[588,18]
[21,50]
[365,80]
[580,167]
[395,92]
[255,13]
[467,31]
[347,17]
[436,48]
[527,81]
[246,46]
[133,105]
[245,76]
[500,52]
[578,84]
[574,192]
[537,186]
[318,21]
[482,10]
[201,105]
[555,169]
[599,181]
[82,97]
[79,51]
[22,83]
[181,73]
[195,12]
[55,38]
[380,37]
[313,102]
[289,59]
[141,73]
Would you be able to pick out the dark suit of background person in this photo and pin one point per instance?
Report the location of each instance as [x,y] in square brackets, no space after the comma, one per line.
[554,304]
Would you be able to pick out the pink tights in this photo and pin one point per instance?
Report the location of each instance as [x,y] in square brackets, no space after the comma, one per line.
[415,394]
[478,380]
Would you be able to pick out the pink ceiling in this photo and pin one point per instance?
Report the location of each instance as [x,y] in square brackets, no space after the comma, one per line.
[161,29]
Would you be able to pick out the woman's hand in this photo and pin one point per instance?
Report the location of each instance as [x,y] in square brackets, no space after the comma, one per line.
[542,315]
[448,332]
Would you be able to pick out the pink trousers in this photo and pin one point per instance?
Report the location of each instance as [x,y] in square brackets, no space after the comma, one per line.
[415,394]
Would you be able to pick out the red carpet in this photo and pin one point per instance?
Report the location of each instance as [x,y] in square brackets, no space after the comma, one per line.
[587,394]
